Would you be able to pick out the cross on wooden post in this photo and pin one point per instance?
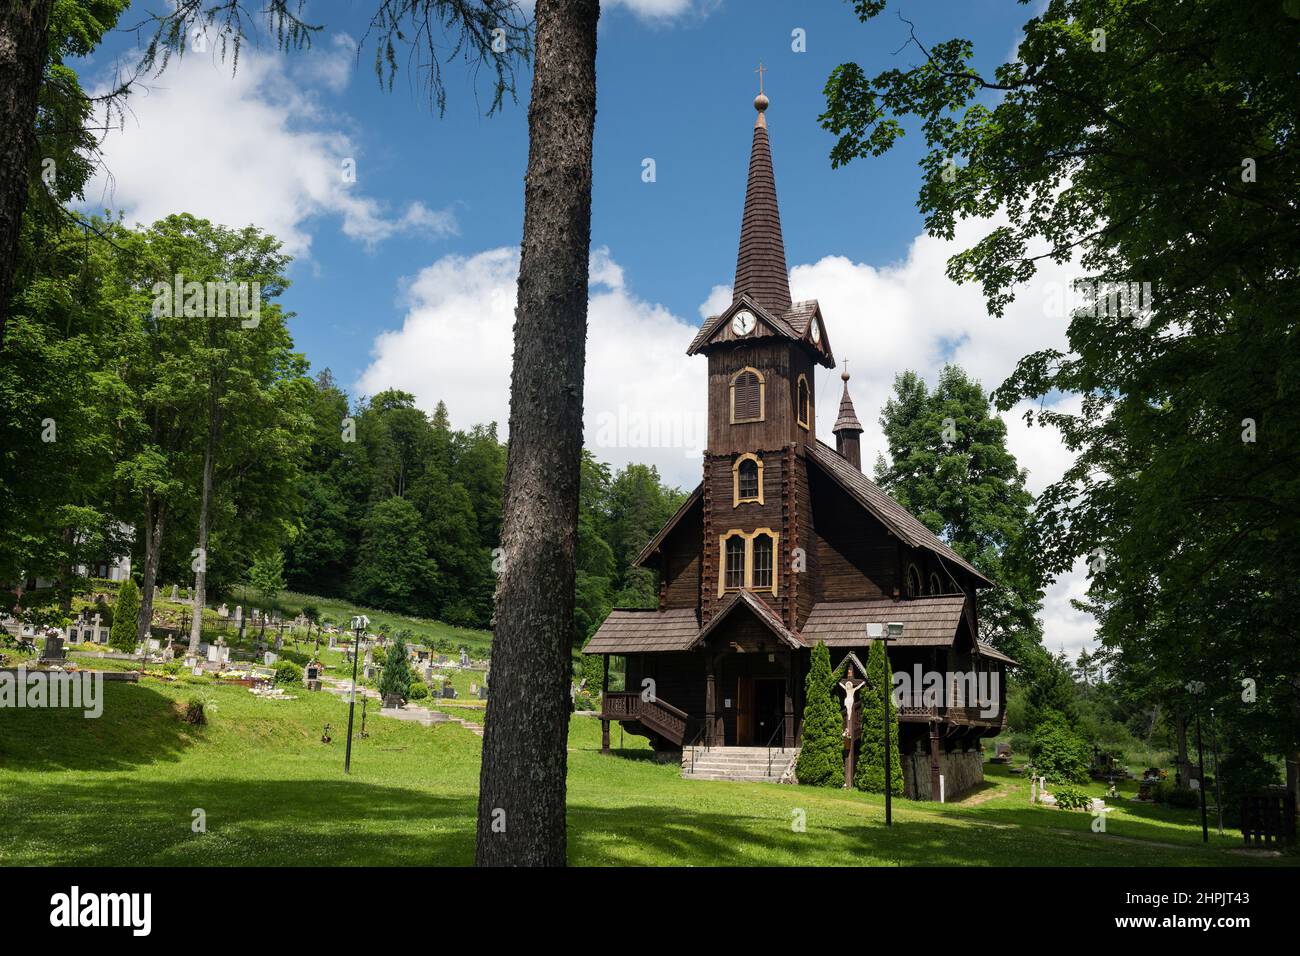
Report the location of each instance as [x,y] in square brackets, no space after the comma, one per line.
[760,71]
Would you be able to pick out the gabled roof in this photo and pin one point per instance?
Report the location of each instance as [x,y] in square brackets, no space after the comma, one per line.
[628,631]
[691,501]
[760,610]
[890,513]
[927,621]
[792,324]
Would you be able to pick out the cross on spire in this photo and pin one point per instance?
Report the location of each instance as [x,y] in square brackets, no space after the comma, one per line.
[760,71]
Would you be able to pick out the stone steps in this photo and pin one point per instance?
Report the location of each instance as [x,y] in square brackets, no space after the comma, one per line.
[743,764]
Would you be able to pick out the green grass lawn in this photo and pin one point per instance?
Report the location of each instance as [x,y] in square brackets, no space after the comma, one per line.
[123,788]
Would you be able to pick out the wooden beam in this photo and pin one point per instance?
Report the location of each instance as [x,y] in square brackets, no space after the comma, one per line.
[604,724]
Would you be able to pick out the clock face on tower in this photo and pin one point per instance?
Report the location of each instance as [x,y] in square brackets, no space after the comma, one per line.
[816,331]
[742,323]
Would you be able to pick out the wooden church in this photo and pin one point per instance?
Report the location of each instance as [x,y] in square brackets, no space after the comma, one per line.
[785,542]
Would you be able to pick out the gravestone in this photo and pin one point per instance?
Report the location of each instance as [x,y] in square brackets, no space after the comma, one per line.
[464,657]
[311,676]
[175,594]
[52,650]
[448,691]
[239,613]
[197,671]
[269,658]
[218,653]
[334,642]
[482,692]
[95,631]
[223,612]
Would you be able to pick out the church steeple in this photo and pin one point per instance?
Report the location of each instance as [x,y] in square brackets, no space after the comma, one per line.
[760,263]
[847,427]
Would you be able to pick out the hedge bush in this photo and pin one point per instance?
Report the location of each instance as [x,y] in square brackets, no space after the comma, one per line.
[1057,752]
[821,761]
[287,672]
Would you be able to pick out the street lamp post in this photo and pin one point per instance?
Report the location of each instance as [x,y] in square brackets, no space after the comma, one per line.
[359,624]
[1196,688]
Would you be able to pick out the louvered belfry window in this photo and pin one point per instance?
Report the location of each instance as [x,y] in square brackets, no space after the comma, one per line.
[746,397]
[762,567]
[735,563]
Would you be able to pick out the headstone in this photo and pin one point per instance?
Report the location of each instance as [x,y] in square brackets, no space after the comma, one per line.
[482,692]
[157,594]
[448,691]
[239,613]
[334,642]
[464,657]
[96,629]
[175,594]
[269,658]
[197,671]
[53,648]
[153,645]
[218,654]
[223,612]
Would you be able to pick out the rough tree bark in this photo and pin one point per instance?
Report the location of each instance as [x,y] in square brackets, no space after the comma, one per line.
[24,48]
[154,516]
[521,809]
[205,508]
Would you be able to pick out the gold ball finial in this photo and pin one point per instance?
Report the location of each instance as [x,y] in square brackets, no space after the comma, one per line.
[845,374]
[760,102]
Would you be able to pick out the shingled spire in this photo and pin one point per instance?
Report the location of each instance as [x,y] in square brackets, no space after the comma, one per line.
[847,427]
[760,264]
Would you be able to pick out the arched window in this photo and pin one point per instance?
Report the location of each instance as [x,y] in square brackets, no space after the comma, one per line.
[761,570]
[747,479]
[735,563]
[747,396]
[913,582]
[936,585]
[803,402]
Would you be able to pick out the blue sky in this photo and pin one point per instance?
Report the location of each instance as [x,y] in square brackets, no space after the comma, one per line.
[405,277]
[673,88]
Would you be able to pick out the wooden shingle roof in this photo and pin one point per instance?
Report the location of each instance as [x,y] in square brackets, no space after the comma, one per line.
[760,262]
[988,650]
[628,631]
[760,610]
[890,513]
[927,621]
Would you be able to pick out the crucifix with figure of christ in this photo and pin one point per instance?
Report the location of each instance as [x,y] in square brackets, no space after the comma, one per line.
[852,722]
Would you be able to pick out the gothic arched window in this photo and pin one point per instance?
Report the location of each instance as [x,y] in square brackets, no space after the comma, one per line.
[913,582]
[803,403]
[936,585]
[747,480]
[747,395]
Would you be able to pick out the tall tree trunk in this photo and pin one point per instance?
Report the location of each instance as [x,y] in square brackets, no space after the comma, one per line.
[522,782]
[155,515]
[24,48]
[1180,729]
[205,506]
[66,571]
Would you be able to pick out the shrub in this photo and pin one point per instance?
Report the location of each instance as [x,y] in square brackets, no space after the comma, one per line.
[194,712]
[1186,799]
[1070,797]
[1242,772]
[1057,752]
[395,679]
[821,760]
[122,636]
[419,691]
[287,672]
[869,772]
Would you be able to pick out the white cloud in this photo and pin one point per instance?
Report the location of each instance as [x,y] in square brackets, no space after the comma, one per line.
[330,66]
[657,9]
[238,150]
[643,398]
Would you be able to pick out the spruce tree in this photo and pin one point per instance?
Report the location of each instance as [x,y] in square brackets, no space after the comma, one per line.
[395,678]
[869,772]
[821,761]
[122,635]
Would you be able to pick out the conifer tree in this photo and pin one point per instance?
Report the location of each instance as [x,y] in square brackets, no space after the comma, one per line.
[869,772]
[395,678]
[821,761]
[122,635]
